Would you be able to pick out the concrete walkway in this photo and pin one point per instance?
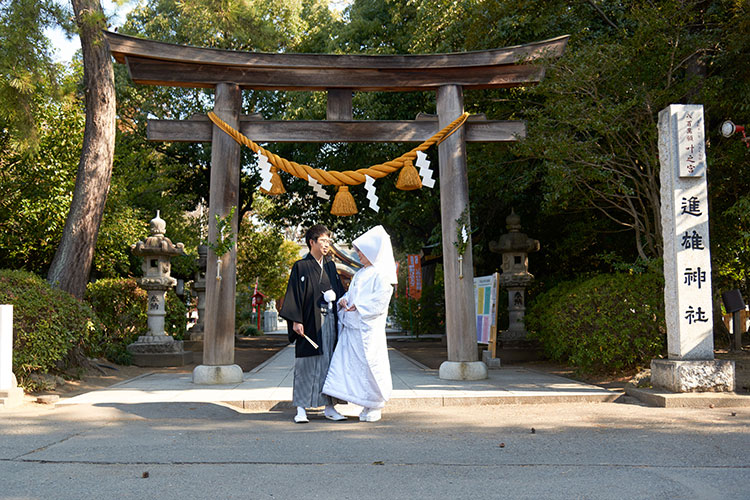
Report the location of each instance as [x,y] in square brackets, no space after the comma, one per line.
[159,436]
[269,386]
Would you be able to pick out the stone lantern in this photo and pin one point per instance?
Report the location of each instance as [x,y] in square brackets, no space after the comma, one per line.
[515,247]
[157,348]
[199,287]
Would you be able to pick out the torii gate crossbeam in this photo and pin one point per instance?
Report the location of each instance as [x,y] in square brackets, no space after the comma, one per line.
[156,63]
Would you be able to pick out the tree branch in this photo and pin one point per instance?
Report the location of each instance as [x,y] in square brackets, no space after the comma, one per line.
[601,13]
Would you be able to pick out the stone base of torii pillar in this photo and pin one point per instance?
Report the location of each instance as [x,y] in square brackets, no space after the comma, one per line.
[217,374]
[462,370]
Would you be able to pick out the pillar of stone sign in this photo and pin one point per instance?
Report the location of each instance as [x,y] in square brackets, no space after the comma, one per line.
[10,393]
[688,294]
[460,322]
[218,337]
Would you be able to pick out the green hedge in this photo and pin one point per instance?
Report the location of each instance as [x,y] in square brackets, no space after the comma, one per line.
[50,327]
[423,316]
[121,306]
[608,323]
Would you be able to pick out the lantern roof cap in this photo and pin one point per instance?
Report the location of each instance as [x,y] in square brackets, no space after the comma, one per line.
[157,244]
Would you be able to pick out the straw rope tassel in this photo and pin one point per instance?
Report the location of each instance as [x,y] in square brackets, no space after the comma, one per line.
[277,187]
[408,178]
[343,203]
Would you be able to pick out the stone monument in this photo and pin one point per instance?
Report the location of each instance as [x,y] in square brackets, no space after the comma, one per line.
[157,348]
[515,246]
[270,318]
[10,393]
[690,366]
[199,287]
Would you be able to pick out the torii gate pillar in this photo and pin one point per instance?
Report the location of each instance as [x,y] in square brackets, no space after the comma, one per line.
[463,356]
[218,338]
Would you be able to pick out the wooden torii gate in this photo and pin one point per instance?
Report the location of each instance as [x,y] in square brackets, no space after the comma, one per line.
[228,72]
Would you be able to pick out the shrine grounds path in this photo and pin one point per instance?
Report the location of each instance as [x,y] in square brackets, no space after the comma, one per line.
[172,449]
[538,451]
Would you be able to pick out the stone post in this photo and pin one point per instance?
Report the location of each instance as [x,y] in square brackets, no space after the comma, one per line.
[690,366]
[10,393]
[199,287]
[460,323]
[270,318]
[218,337]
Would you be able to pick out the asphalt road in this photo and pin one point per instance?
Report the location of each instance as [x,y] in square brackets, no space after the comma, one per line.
[593,450]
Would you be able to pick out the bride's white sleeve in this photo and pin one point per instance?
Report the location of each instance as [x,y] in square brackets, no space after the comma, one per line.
[373,299]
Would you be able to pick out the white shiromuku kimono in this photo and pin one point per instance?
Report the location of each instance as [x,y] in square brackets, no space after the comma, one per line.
[360,371]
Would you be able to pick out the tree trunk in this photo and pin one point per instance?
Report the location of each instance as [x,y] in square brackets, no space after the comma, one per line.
[72,263]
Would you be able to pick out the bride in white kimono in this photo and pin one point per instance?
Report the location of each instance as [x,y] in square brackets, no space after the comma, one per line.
[360,371]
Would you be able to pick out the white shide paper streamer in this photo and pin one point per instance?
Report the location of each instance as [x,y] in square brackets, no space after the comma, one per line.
[370,188]
[425,172]
[265,171]
[317,187]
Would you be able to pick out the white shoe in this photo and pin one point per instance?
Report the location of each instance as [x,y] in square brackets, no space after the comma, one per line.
[301,416]
[331,414]
[370,415]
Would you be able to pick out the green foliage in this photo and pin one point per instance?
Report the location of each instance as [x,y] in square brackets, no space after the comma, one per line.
[607,323]
[36,187]
[423,316]
[175,322]
[593,124]
[263,253]
[249,330]
[121,306]
[732,255]
[462,232]
[225,239]
[249,25]
[27,67]
[50,327]
[145,180]
[728,158]
[121,226]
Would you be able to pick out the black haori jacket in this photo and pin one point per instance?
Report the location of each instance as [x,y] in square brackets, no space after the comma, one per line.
[303,299]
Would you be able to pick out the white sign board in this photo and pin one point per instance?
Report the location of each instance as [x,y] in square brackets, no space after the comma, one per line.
[684,216]
[691,141]
[6,347]
[485,299]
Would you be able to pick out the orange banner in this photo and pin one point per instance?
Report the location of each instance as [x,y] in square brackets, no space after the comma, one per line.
[414,266]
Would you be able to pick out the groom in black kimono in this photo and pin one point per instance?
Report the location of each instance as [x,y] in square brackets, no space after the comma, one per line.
[310,311]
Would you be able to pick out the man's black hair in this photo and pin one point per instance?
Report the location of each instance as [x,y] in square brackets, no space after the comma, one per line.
[316,232]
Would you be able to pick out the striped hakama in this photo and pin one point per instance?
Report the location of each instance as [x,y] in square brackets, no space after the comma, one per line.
[310,371]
